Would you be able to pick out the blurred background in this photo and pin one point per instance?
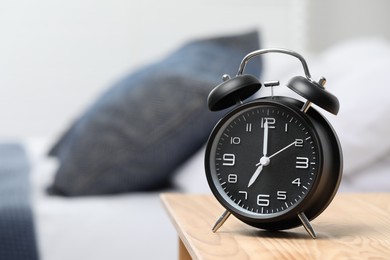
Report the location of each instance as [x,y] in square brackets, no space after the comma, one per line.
[57,56]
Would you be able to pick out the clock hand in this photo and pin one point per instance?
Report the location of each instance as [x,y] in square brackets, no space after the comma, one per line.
[264,161]
[255,175]
[265,139]
[281,150]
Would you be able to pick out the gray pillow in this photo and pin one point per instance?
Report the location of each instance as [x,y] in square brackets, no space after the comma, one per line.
[139,131]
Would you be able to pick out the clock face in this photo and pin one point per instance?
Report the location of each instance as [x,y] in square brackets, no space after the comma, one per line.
[262,160]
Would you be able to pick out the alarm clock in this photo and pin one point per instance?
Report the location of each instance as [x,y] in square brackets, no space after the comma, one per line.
[274,162]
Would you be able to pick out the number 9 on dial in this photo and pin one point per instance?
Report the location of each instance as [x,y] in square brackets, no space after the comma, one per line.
[275,162]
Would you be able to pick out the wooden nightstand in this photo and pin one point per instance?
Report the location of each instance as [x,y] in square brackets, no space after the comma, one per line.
[354,226]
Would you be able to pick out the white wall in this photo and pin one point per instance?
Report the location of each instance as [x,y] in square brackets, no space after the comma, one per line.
[333,21]
[57,56]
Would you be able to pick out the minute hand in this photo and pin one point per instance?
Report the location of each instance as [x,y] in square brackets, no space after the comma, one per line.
[281,150]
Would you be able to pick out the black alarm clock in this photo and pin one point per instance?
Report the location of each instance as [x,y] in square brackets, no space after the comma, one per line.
[274,162]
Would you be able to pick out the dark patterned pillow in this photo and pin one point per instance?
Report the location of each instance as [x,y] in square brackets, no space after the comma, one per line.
[138,132]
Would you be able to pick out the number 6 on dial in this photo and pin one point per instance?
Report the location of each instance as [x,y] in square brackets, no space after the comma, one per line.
[285,157]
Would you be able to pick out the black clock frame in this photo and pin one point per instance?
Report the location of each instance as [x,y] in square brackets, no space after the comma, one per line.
[322,191]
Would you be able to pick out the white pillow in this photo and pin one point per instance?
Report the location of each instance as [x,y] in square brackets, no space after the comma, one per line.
[357,72]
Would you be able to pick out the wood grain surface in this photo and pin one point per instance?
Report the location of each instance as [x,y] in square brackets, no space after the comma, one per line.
[354,226]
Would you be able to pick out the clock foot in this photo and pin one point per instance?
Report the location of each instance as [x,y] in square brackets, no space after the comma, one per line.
[221,220]
[306,224]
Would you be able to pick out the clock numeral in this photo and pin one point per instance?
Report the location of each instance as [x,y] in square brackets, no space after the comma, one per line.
[232,178]
[281,195]
[263,200]
[286,127]
[248,127]
[229,159]
[297,182]
[235,140]
[270,120]
[245,194]
[302,163]
[298,142]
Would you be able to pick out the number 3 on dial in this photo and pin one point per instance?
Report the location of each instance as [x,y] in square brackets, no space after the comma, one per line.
[263,162]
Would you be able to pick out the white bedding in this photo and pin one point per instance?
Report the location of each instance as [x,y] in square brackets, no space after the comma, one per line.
[129,226]
[135,226]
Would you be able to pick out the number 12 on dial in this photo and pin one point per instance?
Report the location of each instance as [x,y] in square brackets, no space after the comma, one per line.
[263,162]
[274,162]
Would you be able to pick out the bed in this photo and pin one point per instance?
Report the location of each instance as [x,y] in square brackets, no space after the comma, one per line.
[133,225]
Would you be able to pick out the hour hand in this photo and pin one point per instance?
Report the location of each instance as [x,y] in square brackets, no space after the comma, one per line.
[264,161]
[255,175]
